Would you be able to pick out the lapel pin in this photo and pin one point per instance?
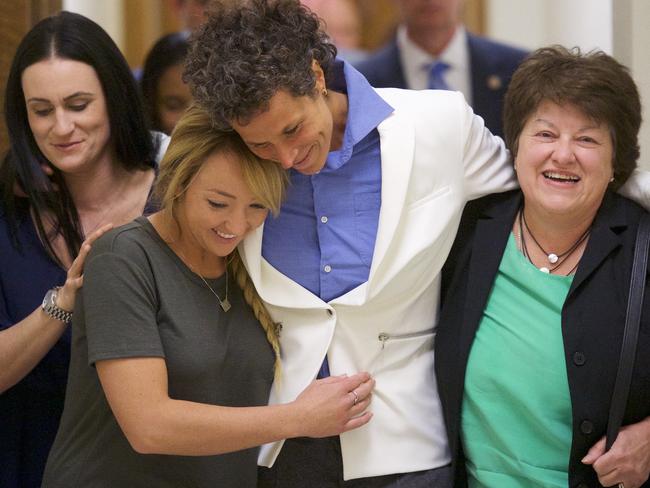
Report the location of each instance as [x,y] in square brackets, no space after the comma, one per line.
[494,82]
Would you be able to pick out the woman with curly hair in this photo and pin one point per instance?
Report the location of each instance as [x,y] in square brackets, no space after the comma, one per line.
[351,265]
[174,353]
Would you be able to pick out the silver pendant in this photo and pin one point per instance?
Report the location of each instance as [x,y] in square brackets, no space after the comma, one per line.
[552,258]
[544,269]
[225,304]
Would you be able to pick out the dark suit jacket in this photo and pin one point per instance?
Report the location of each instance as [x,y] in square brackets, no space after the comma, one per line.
[593,318]
[492,65]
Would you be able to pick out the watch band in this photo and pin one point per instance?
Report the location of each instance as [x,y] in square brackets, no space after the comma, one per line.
[50,308]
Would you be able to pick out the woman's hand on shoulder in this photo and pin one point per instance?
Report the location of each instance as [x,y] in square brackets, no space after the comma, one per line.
[74,278]
[628,461]
[333,405]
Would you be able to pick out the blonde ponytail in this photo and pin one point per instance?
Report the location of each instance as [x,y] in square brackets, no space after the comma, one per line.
[272,329]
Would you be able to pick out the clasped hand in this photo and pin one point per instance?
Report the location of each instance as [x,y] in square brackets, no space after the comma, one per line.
[628,461]
[336,404]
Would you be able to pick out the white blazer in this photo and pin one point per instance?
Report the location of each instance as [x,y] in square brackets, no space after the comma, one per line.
[435,155]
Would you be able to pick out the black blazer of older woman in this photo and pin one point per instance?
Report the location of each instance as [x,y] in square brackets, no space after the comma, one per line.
[593,318]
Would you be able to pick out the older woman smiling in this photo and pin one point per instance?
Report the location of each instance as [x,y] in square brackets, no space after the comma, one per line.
[535,290]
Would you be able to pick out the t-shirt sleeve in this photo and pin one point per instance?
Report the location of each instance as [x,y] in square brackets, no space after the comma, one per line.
[119,309]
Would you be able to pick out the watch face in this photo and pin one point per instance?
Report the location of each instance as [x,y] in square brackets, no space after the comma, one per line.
[50,308]
[50,296]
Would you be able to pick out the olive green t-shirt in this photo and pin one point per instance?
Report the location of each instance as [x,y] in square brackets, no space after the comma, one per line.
[140,300]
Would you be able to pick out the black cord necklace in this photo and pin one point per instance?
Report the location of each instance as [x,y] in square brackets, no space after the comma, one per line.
[554,259]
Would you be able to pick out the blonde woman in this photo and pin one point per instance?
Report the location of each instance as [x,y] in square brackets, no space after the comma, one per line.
[173,352]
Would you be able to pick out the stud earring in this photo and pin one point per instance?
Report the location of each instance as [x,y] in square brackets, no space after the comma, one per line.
[324,92]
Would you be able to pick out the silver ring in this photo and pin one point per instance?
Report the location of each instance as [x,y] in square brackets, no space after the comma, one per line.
[621,485]
[356,398]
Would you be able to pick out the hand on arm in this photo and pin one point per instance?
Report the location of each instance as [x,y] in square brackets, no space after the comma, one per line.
[136,390]
[74,279]
[637,188]
[25,343]
[628,461]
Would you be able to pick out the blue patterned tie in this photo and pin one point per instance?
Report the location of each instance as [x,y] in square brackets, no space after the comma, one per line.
[436,78]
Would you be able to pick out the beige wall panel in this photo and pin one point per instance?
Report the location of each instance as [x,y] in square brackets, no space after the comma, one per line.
[474,16]
[16,18]
[143,26]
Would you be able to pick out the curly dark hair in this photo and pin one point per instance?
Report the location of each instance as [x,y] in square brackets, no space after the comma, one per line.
[248,50]
[594,82]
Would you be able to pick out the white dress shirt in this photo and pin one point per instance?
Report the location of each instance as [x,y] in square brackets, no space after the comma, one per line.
[416,62]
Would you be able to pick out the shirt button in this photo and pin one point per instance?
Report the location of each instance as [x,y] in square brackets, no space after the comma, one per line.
[579,358]
[327,268]
[324,219]
[586,427]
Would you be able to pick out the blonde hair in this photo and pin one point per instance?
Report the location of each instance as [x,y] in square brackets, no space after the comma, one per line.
[193,140]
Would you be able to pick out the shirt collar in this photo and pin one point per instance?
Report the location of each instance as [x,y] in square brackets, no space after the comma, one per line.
[366,110]
[416,61]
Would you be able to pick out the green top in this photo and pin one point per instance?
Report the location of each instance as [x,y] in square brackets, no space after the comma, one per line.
[516,413]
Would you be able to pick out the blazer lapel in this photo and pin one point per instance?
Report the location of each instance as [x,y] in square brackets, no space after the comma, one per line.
[273,287]
[490,238]
[486,83]
[602,241]
[397,141]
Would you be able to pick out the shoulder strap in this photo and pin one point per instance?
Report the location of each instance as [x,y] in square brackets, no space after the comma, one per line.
[631,333]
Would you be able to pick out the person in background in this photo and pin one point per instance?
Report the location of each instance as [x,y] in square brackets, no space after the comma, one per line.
[342,20]
[535,290]
[165,94]
[80,158]
[191,13]
[432,49]
[174,353]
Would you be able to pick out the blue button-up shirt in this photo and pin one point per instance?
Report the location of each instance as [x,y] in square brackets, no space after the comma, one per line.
[325,234]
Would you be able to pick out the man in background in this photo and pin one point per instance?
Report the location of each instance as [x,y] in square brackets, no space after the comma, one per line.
[432,49]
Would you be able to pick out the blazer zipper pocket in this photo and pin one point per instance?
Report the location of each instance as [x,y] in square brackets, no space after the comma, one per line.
[384,337]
